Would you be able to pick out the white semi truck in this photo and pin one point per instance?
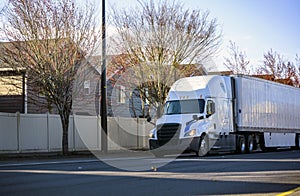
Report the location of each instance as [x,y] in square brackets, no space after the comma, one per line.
[227,113]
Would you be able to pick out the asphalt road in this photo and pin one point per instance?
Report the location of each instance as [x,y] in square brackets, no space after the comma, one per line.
[270,173]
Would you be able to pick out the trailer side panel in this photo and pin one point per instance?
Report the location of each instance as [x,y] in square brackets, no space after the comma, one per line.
[265,106]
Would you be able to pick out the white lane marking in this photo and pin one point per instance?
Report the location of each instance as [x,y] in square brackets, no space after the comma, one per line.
[278,177]
[45,163]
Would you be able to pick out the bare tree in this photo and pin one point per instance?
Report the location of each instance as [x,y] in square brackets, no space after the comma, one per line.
[297,60]
[278,69]
[273,65]
[297,64]
[237,62]
[49,39]
[157,38]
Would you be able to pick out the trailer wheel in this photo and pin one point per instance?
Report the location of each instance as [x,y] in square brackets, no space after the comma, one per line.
[203,146]
[250,144]
[241,145]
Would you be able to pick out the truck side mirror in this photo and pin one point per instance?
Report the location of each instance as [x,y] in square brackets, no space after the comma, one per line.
[210,108]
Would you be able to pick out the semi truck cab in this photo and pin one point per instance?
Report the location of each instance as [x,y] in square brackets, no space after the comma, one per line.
[196,113]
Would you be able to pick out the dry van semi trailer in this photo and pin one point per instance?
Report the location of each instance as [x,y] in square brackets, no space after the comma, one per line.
[227,113]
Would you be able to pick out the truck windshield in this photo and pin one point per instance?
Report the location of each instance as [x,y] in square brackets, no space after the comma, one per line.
[184,106]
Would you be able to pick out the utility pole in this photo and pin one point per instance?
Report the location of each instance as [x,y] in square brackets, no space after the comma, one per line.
[103,111]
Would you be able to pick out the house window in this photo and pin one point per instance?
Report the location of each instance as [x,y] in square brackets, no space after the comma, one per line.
[120,93]
[11,85]
[86,87]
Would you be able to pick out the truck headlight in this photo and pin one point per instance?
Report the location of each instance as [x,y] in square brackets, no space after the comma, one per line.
[190,133]
[152,133]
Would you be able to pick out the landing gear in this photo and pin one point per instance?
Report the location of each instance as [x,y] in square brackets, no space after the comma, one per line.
[297,142]
[262,143]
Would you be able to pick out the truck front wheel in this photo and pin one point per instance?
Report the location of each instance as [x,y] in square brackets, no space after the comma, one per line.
[203,146]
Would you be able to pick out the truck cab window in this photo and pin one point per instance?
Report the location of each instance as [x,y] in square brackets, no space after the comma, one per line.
[192,106]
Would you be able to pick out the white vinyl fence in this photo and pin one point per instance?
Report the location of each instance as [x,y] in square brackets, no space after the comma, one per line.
[43,133]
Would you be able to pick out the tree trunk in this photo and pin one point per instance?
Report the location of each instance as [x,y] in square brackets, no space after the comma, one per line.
[65,126]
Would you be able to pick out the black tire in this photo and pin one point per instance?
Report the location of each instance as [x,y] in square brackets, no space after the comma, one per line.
[241,144]
[250,144]
[203,146]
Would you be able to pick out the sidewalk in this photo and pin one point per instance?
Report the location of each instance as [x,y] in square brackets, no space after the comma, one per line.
[77,154]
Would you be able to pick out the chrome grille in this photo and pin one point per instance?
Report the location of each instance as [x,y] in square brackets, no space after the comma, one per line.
[167,132]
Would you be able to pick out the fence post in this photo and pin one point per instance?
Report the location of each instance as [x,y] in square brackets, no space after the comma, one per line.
[74,130]
[48,133]
[137,134]
[118,142]
[144,134]
[98,129]
[18,131]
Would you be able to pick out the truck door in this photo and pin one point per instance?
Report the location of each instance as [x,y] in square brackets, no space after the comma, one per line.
[219,114]
[212,117]
[225,117]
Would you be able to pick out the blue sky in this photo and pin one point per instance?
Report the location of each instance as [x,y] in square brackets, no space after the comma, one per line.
[258,25]
[254,25]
